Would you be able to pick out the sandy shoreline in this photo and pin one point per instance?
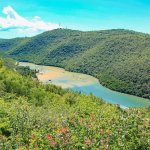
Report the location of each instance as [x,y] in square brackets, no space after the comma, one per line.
[64,78]
[84,83]
[60,77]
[48,76]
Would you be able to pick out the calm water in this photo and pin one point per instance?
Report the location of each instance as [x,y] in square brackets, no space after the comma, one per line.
[85,84]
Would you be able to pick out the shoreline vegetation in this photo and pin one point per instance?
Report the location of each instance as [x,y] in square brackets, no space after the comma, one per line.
[119,59]
[37,116]
[70,80]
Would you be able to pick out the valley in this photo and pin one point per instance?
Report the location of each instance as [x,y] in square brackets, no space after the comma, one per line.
[84,84]
[75,75]
[119,59]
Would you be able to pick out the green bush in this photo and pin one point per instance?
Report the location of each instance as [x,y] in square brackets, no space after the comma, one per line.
[36,116]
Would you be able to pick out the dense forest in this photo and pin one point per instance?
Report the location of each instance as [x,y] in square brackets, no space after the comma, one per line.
[120,59]
[36,116]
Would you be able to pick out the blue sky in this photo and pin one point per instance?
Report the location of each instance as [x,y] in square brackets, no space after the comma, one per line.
[74,14]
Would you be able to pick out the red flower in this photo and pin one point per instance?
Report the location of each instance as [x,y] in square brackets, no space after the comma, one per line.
[33,136]
[88,142]
[48,136]
[64,130]
[102,131]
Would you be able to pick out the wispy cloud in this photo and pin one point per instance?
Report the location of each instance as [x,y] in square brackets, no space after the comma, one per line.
[13,21]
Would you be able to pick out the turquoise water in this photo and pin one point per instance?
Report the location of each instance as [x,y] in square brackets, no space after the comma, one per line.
[124,100]
[88,84]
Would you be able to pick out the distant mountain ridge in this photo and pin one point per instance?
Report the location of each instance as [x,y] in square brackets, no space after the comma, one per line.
[120,59]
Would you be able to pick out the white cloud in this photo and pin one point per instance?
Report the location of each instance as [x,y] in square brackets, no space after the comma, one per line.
[13,21]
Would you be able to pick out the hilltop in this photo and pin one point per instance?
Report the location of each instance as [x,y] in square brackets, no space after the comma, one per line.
[120,59]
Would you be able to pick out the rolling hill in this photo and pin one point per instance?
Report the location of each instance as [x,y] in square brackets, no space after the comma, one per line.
[37,116]
[120,59]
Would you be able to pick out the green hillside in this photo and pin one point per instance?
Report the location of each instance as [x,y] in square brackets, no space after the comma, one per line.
[36,116]
[120,59]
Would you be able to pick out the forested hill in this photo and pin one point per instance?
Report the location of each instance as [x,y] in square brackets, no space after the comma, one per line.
[120,59]
[37,116]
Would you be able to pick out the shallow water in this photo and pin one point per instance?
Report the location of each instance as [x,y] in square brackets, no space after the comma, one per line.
[85,84]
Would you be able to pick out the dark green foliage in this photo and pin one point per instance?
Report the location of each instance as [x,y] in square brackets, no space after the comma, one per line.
[26,71]
[120,59]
